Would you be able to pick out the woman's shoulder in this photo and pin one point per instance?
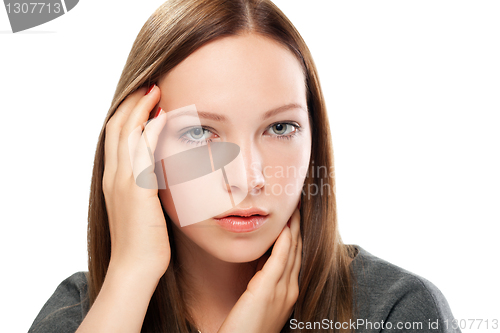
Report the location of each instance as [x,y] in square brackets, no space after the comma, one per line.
[373,271]
[77,282]
[65,309]
[389,293]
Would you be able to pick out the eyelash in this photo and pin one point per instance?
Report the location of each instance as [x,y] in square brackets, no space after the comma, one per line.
[279,137]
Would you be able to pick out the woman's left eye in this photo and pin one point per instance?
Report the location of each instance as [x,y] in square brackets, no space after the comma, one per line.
[284,130]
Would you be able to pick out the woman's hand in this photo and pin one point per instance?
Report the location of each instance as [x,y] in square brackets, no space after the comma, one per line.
[139,238]
[268,301]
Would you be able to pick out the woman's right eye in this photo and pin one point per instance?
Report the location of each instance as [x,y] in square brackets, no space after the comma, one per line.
[195,135]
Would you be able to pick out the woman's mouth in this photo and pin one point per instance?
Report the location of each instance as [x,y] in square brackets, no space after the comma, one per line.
[240,224]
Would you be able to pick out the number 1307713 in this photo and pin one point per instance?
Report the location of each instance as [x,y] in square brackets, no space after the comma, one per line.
[33,8]
[491,324]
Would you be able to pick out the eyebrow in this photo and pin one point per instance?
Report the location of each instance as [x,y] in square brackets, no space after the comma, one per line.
[283,108]
[221,118]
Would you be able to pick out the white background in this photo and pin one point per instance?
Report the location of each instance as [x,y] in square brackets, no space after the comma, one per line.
[412,90]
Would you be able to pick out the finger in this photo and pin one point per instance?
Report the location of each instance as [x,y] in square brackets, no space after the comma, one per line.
[113,128]
[298,254]
[262,261]
[294,229]
[275,265]
[127,106]
[297,262]
[136,119]
[143,152]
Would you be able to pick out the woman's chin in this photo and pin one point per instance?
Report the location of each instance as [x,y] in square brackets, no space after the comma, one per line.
[241,255]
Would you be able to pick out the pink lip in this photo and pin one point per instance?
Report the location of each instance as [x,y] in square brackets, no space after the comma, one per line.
[242,224]
[244,212]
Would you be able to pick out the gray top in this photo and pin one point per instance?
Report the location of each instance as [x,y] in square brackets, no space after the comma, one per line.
[389,299]
[404,301]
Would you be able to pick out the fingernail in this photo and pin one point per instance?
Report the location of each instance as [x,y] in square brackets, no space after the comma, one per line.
[150,88]
[160,110]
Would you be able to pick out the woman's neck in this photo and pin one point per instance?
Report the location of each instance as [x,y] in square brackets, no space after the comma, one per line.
[212,286]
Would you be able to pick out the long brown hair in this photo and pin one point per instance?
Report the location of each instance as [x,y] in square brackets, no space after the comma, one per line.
[174,31]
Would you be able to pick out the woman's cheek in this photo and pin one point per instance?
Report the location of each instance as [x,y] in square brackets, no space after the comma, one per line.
[284,181]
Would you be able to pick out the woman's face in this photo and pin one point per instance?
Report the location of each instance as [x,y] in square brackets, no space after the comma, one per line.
[241,78]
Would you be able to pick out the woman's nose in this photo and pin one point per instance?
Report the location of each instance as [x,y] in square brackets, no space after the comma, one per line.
[245,175]
[255,177]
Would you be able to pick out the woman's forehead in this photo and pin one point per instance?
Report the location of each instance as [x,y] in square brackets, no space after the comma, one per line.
[236,72]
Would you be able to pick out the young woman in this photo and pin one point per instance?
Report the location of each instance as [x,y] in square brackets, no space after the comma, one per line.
[248,75]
